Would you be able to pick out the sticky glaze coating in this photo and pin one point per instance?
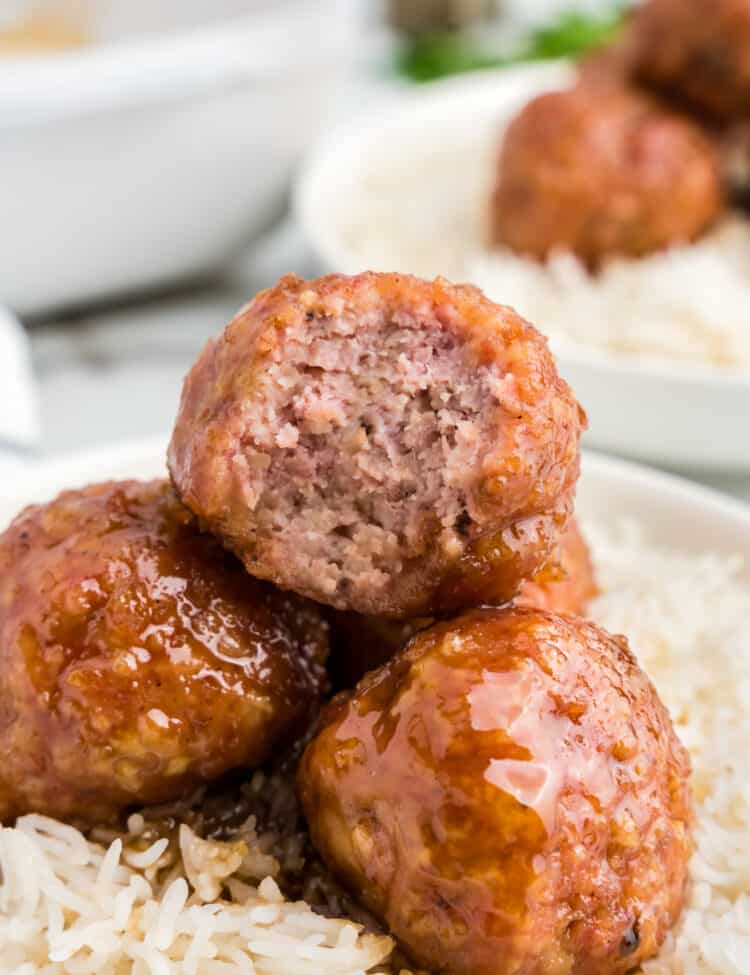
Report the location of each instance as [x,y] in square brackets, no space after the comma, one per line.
[508,796]
[568,584]
[138,659]
[380,443]
[603,171]
[697,51]
[362,643]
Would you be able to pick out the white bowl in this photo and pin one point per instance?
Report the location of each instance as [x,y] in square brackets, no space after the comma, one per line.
[673,512]
[684,417]
[154,153]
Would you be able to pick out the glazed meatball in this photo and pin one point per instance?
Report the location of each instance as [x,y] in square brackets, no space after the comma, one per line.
[139,660]
[697,51]
[568,584]
[508,796]
[362,643]
[380,443]
[603,171]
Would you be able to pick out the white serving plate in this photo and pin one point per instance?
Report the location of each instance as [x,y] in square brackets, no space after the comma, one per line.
[688,418]
[673,512]
[155,153]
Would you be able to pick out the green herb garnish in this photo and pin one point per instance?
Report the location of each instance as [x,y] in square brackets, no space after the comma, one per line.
[431,56]
[574,34]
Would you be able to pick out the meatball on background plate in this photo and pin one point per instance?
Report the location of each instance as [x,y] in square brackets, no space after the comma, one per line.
[602,171]
[697,51]
[380,443]
[137,658]
[509,796]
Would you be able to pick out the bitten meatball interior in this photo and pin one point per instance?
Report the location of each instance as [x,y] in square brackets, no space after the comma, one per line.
[355,439]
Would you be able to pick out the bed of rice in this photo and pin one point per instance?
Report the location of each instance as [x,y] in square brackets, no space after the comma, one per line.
[425,213]
[161,900]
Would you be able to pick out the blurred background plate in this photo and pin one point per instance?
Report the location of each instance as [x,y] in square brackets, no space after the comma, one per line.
[681,416]
[145,143]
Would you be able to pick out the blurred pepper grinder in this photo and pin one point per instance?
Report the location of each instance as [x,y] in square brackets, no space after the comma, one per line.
[426,16]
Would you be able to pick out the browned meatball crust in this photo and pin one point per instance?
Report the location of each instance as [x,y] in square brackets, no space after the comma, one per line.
[508,795]
[362,643]
[380,443]
[697,51]
[568,584]
[603,171]
[138,659]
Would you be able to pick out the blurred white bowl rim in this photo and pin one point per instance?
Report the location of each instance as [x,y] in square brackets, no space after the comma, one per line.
[268,42]
[152,158]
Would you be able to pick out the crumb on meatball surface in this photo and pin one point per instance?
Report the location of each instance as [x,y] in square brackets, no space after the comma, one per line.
[603,171]
[380,443]
[508,796]
[138,660]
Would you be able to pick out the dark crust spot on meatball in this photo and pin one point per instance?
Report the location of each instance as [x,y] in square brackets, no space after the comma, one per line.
[463,523]
[630,941]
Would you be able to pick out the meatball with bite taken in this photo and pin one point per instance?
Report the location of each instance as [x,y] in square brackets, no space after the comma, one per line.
[380,443]
[508,796]
[602,171]
[362,643]
[138,660]
[698,52]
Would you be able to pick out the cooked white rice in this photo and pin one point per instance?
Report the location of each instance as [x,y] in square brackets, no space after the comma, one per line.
[147,906]
[72,906]
[688,620]
[426,213]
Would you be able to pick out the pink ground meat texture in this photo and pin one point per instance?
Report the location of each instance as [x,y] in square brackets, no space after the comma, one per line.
[379,443]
